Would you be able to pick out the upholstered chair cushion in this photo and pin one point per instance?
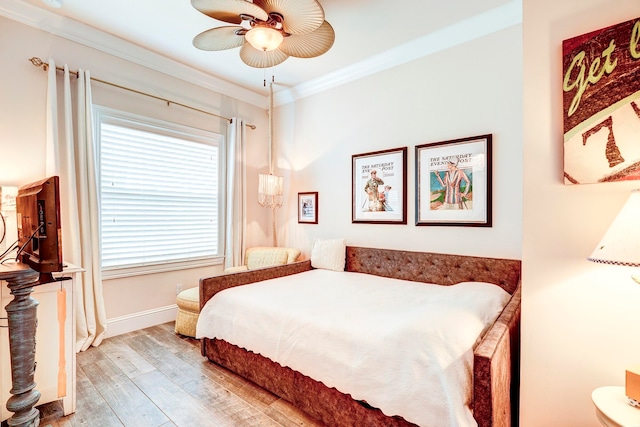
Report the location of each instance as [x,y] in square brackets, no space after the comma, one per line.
[188,302]
[265,256]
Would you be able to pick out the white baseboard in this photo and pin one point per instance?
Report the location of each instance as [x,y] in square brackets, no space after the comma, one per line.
[143,319]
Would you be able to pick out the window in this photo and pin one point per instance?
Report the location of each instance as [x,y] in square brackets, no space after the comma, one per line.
[159,187]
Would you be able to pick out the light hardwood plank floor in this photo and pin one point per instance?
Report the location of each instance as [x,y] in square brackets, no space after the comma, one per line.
[156,378]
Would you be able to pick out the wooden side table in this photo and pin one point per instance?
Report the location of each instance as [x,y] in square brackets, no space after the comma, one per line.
[55,355]
[613,408]
[22,321]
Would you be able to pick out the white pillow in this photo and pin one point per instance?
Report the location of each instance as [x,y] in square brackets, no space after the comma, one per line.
[329,254]
[487,300]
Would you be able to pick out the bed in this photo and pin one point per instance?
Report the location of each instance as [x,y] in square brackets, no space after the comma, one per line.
[494,357]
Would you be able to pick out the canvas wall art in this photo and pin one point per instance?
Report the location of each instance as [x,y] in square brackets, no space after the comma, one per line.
[601,105]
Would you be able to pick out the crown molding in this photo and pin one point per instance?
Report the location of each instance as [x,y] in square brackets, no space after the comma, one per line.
[494,20]
[78,32]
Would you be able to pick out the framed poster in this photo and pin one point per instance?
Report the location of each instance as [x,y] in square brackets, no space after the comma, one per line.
[308,208]
[601,104]
[379,187]
[453,182]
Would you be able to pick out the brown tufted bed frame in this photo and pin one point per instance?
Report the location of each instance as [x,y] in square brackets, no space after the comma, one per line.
[496,356]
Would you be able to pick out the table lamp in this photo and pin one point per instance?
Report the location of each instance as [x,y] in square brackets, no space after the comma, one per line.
[621,243]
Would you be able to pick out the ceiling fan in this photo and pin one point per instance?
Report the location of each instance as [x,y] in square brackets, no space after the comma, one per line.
[271,30]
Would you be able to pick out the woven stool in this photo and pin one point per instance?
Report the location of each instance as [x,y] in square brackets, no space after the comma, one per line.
[188,302]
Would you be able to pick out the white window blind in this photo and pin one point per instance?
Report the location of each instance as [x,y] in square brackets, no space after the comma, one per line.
[159,193]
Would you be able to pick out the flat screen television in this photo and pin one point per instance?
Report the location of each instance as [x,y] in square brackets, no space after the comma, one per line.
[39,235]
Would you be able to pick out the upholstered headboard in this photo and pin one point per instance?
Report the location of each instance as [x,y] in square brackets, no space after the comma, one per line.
[442,269]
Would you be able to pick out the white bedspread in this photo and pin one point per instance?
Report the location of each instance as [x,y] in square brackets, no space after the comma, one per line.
[401,346]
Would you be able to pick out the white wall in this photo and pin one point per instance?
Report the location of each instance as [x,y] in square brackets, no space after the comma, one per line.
[129,302]
[469,90]
[579,319]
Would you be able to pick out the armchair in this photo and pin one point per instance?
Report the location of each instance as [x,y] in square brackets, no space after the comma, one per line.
[264,256]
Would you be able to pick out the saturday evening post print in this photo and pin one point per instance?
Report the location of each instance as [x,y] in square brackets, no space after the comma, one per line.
[601,105]
[454,182]
[379,187]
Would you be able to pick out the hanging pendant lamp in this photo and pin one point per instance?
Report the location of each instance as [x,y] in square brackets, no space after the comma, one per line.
[270,187]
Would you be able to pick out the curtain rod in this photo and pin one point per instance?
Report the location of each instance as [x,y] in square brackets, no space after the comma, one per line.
[40,63]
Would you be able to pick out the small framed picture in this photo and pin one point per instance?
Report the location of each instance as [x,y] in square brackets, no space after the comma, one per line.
[379,187]
[308,208]
[453,182]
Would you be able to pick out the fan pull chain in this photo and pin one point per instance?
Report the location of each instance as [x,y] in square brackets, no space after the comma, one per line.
[264,78]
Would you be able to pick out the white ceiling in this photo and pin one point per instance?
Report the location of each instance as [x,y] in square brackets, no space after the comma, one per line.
[370,35]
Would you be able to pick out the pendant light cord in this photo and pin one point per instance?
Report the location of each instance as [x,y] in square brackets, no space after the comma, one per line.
[271,127]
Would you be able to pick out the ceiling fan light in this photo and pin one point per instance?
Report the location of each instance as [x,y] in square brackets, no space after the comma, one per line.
[264,38]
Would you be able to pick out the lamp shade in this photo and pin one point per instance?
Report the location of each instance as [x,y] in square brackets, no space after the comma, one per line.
[270,190]
[8,199]
[8,225]
[621,243]
[264,38]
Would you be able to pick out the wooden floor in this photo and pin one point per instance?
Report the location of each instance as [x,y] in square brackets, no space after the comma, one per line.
[154,377]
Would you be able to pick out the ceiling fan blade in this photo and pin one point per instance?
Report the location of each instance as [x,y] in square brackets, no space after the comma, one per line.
[219,38]
[229,10]
[261,59]
[309,45]
[300,16]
